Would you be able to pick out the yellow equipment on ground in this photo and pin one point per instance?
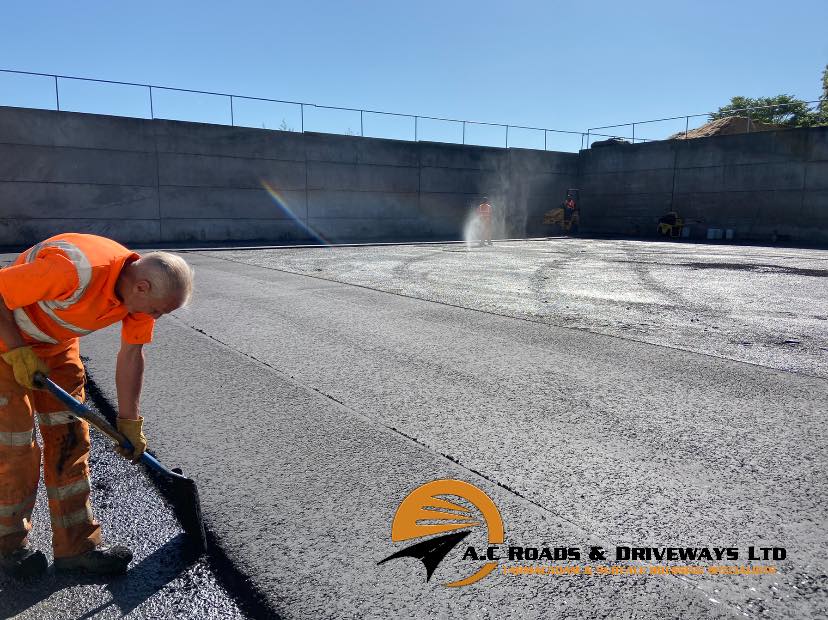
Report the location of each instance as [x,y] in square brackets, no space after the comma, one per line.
[566,218]
[670,225]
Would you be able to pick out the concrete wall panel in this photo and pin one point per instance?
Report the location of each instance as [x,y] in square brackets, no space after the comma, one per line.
[818,146]
[388,153]
[628,157]
[344,204]
[710,179]
[220,140]
[464,181]
[738,210]
[816,204]
[368,229]
[755,148]
[173,230]
[635,182]
[336,176]
[332,148]
[91,131]
[764,177]
[70,165]
[237,172]
[750,182]
[102,174]
[66,201]
[26,232]
[223,203]
[652,205]
[435,155]
[452,206]
[816,175]
[526,161]
[553,185]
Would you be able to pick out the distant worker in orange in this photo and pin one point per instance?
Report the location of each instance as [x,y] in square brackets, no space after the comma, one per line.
[62,288]
[484,213]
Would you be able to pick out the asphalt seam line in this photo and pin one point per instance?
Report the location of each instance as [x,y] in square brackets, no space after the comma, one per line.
[702,592]
[519,318]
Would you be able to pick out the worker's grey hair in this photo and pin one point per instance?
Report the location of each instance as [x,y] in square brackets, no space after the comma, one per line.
[168,275]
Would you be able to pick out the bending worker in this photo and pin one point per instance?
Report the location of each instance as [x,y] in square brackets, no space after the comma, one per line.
[60,289]
[484,212]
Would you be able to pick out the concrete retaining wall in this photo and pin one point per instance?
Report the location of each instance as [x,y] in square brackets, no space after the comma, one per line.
[765,186]
[153,181]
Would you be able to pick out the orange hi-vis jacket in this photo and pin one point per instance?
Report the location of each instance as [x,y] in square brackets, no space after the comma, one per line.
[64,287]
[485,210]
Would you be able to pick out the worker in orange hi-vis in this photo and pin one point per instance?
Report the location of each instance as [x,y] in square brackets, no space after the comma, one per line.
[484,212]
[60,289]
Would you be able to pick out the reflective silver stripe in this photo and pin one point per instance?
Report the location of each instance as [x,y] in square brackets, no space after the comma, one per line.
[22,508]
[29,328]
[84,515]
[56,418]
[80,331]
[24,438]
[68,490]
[82,267]
[84,272]
[11,529]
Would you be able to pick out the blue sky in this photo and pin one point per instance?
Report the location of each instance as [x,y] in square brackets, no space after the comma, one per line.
[549,64]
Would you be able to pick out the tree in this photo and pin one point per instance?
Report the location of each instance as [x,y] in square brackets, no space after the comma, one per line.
[783,110]
[823,104]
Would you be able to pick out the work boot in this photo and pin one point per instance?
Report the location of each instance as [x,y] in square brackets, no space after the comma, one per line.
[102,560]
[23,562]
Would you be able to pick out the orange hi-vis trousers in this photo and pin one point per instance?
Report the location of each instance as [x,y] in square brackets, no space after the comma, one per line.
[65,451]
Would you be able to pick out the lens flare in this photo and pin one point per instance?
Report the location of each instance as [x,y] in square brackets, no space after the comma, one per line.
[282,203]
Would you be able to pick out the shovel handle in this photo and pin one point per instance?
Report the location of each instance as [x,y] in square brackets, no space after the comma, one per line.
[84,412]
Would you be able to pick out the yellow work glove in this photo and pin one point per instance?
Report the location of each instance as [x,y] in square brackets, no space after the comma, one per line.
[131,429]
[25,363]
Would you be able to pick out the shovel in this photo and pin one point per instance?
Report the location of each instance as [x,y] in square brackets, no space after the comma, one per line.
[180,490]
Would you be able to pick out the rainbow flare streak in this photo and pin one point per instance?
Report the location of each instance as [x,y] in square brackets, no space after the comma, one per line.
[283,205]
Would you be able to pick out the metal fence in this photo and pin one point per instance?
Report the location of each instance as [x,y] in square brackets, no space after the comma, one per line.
[584,138]
[818,108]
[302,107]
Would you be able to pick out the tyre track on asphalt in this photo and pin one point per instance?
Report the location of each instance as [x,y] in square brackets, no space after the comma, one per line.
[529,319]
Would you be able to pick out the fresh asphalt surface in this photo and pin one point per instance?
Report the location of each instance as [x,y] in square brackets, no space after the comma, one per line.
[601,392]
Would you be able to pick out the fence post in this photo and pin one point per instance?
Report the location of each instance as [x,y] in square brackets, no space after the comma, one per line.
[57,95]
[587,144]
[415,129]
[152,108]
[507,136]
[232,116]
[633,136]
[686,126]
[544,139]
[464,132]
[302,116]
[748,123]
[361,125]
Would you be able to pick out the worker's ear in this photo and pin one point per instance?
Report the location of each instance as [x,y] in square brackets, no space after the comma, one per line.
[143,287]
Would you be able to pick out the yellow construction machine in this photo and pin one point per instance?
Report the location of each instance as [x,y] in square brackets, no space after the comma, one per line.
[566,218]
[670,225]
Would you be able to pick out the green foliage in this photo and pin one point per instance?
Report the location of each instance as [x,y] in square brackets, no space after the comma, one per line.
[783,110]
[825,85]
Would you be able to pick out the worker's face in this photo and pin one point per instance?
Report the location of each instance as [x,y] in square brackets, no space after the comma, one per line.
[141,300]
